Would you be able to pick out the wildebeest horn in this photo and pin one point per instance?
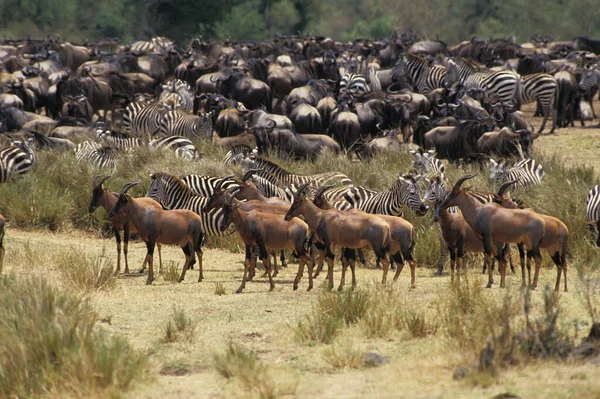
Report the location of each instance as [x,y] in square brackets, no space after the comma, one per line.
[321,191]
[249,174]
[461,181]
[98,184]
[127,186]
[505,187]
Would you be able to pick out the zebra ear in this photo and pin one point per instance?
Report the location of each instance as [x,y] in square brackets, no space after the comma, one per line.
[493,163]
[413,153]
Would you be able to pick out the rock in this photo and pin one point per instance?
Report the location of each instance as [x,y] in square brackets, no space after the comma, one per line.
[374,359]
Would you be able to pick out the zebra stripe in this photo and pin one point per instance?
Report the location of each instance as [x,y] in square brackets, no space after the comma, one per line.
[236,155]
[503,84]
[141,119]
[423,77]
[427,162]
[177,95]
[205,185]
[388,202]
[182,146]
[589,78]
[171,192]
[126,144]
[527,172]
[592,205]
[97,155]
[176,123]
[286,178]
[543,88]
[354,84]
[16,160]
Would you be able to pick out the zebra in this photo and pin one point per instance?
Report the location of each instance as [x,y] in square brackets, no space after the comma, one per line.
[126,144]
[141,119]
[204,186]
[286,178]
[176,123]
[97,155]
[589,83]
[526,172]
[237,154]
[158,44]
[182,146]
[354,84]
[177,95]
[592,210]
[423,77]
[505,86]
[404,191]
[172,193]
[427,162]
[16,160]
[541,87]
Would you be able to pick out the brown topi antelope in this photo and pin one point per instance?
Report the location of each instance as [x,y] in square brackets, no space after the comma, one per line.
[177,227]
[107,200]
[496,225]
[2,223]
[555,240]
[267,230]
[402,239]
[335,228]
[217,200]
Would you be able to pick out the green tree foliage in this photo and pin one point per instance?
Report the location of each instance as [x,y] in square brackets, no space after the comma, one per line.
[181,20]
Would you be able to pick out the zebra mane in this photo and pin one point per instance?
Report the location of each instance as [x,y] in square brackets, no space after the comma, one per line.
[269,163]
[417,58]
[474,66]
[173,180]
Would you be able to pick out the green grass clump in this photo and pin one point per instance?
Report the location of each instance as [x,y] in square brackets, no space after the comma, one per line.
[50,344]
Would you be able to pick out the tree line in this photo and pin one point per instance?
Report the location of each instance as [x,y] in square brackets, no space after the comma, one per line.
[181,20]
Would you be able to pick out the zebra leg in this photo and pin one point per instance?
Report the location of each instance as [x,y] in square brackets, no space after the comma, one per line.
[443,250]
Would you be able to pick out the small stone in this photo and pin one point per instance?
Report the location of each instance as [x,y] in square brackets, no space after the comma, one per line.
[374,359]
[460,373]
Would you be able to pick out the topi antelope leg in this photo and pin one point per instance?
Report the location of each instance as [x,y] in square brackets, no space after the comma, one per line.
[399,264]
[329,256]
[453,263]
[149,258]
[311,264]
[299,273]
[118,239]
[247,260]
[344,258]
[538,264]
[282,258]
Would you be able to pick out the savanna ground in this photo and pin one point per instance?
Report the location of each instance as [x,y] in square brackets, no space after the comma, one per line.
[419,331]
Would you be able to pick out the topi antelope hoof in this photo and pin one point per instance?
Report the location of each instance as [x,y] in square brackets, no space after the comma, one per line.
[295,287]
[142,271]
[309,288]
[239,290]
[489,285]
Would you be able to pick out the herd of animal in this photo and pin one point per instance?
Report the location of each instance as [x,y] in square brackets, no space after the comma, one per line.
[300,98]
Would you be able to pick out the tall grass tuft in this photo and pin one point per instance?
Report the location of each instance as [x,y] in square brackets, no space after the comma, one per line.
[348,306]
[84,271]
[170,271]
[247,370]
[179,327]
[317,327]
[50,344]
[344,355]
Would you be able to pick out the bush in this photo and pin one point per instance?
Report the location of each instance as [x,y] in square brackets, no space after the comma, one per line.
[50,343]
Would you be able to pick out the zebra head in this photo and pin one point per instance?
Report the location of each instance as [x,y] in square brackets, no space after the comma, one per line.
[408,191]
[498,170]
[158,189]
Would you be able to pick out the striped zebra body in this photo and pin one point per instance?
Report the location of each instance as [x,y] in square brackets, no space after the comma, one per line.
[176,123]
[422,76]
[286,178]
[387,202]
[171,192]
[589,78]
[97,155]
[158,44]
[182,146]
[177,95]
[503,84]
[592,210]
[204,186]
[541,87]
[354,84]
[141,119]
[141,47]
[268,189]
[526,172]
[16,160]
[125,144]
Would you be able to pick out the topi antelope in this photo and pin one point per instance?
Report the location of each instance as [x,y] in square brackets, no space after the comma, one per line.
[155,225]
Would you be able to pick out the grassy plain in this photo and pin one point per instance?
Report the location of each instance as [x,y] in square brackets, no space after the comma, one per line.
[252,338]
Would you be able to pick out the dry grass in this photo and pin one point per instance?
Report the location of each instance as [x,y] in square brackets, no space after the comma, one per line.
[344,355]
[179,328]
